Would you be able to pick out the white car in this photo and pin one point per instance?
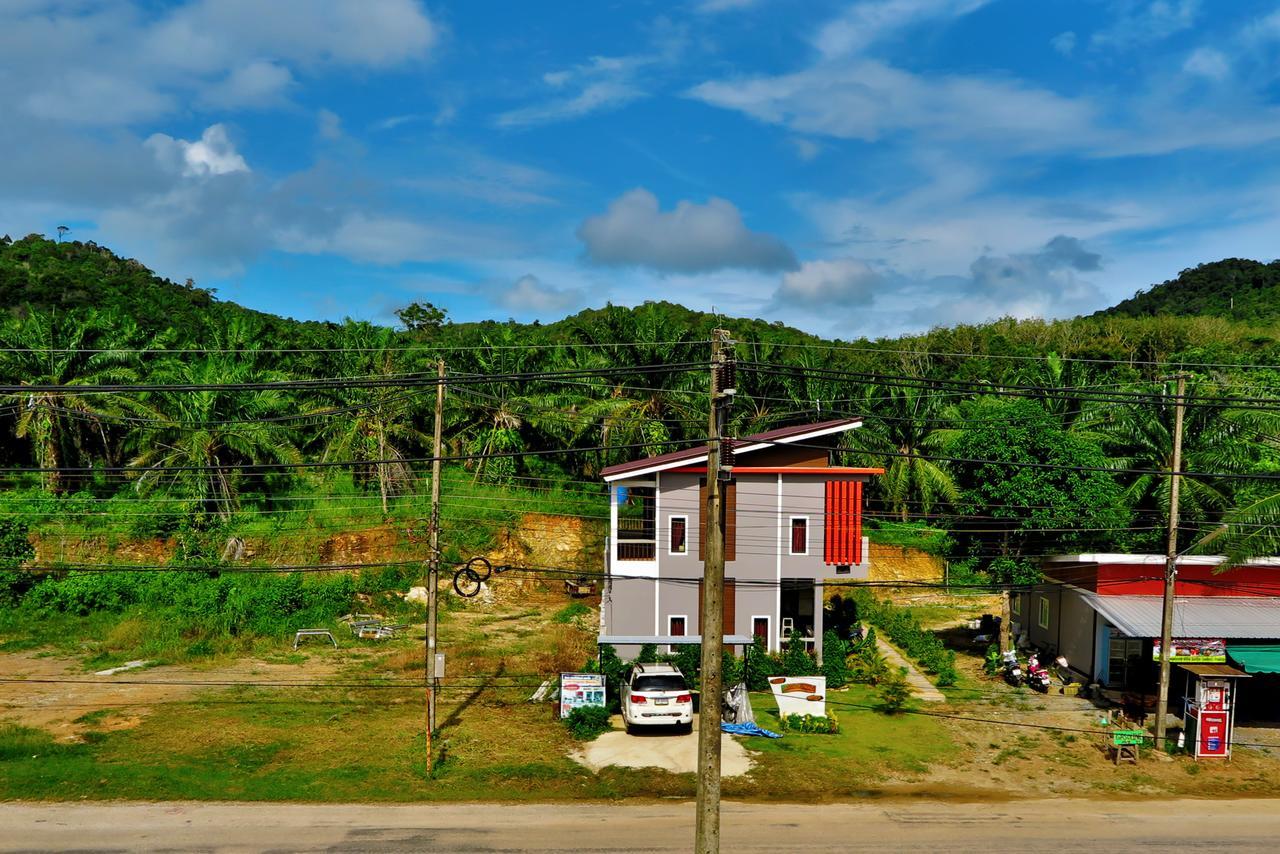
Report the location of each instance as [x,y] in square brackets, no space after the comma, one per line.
[657,695]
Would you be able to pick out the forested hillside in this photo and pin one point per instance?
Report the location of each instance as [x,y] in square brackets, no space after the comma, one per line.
[1234,288]
[998,435]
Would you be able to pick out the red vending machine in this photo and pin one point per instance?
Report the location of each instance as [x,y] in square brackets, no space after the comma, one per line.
[1208,718]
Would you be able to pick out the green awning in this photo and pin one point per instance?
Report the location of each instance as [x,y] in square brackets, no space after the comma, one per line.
[1255,659]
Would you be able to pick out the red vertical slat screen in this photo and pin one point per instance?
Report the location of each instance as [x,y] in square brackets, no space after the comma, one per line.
[842,528]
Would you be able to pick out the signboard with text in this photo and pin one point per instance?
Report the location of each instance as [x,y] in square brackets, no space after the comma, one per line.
[1194,650]
[580,689]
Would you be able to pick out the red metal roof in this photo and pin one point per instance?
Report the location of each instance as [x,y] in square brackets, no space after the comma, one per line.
[780,435]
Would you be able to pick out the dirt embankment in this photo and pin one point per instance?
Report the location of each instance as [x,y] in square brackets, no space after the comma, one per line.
[897,563]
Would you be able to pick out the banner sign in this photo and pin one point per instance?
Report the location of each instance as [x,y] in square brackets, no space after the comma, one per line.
[1194,650]
[800,695]
[580,689]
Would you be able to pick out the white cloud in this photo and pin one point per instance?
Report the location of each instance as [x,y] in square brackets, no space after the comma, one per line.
[865,23]
[1209,63]
[528,295]
[255,84]
[868,100]
[328,124]
[716,6]
[212,154]
[602,82]
[806,149]
[388,239]
[1064,43]
[691,238]
[822,285]
[1146,21]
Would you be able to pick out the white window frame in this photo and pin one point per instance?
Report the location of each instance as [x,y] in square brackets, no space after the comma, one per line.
[790,523]
[671,648]
[769,641]
[671,519]
[1042,618]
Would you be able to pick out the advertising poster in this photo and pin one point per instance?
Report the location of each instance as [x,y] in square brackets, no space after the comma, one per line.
[580,689]
[1194,650]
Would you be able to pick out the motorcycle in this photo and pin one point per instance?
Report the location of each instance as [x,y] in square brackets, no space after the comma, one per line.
[1011,669]
[1038,675]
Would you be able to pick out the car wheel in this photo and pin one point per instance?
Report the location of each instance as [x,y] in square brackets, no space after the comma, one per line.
[685,728]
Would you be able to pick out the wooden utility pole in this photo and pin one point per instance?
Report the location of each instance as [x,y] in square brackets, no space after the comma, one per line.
[707,838]
[1171,563]
[433,566]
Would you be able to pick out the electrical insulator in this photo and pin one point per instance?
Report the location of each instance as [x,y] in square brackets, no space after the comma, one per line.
[726,379]
[726,454]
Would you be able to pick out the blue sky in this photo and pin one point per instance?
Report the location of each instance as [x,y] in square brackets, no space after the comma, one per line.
[852,168]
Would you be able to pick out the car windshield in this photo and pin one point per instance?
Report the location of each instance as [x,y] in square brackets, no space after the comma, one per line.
[665,682]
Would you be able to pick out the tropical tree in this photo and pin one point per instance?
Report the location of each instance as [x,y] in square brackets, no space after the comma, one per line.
[66,351]
[372,425]
[1217,438]
[197,443]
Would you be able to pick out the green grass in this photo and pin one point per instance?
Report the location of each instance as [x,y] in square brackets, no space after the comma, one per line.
[870,747]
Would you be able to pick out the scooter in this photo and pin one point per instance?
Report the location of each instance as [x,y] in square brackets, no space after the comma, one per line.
[1037,675]
[1011,668]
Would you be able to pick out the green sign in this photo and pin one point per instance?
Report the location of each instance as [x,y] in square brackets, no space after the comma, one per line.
[1127,736]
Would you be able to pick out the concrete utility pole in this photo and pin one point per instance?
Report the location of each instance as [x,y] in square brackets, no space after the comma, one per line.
[1171,562]
[433,571]
[707,834]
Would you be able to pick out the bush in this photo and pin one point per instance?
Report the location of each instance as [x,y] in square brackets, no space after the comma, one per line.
[814,724]
[991,663]
[796,660]
[14,549]
[894,691]
[613,669]
[570,612]
[648,654]
[587,723]
[835,660]
[759,666]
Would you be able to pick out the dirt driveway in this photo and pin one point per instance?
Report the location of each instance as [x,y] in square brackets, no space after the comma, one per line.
[59,694]
[663,748]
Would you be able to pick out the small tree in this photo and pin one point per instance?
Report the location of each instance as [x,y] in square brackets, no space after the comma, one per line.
[796,660]
[835,660]
[894,691]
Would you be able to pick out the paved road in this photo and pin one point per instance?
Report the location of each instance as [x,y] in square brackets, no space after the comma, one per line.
[1057,826]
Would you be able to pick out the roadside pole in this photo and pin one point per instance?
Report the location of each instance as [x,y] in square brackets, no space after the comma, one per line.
[1171,563]
[707,833]
[433,571]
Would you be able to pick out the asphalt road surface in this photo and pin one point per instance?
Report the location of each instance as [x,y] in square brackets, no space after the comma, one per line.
[1031,826]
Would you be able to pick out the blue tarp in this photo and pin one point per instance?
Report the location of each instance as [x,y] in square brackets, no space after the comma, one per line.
[748,729]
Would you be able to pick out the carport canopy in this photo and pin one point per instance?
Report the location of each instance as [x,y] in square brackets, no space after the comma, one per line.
[1193,616]
[671,640]
[1264,658]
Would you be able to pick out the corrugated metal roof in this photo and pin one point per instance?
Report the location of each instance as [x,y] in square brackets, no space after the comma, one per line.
[783,435]
[1225,671]
[1193,616]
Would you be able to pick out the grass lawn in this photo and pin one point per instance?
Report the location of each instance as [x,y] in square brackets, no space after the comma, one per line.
[870,748]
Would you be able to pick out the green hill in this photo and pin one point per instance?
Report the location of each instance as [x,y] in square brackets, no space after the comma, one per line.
[1233,288]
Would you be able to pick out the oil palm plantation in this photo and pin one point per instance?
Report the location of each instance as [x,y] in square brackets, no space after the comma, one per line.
[67,350]
[197,444]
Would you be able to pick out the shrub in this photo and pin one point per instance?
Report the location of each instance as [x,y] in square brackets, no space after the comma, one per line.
[587,723]
[613,668]
[759,666]
[835,660]
[14,549]
[814,724]
[903,629]
[648,653]
[796,660]
[991,663]
[894,691]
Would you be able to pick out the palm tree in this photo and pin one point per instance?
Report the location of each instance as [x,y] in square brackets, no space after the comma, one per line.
[198,442]
[364,424]
[904,426]
[1216,438]
[67,350]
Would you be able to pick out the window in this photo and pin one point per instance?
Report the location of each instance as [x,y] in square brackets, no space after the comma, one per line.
[1044,612]
[677,627]
[1016,604]
[679,528]
[842,522]
[760,629]
[799,535]
[637,522]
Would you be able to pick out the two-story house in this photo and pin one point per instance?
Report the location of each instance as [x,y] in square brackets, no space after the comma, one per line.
[792,520]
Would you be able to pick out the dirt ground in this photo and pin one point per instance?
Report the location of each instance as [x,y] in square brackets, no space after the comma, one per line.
[660,748]
[105,703]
